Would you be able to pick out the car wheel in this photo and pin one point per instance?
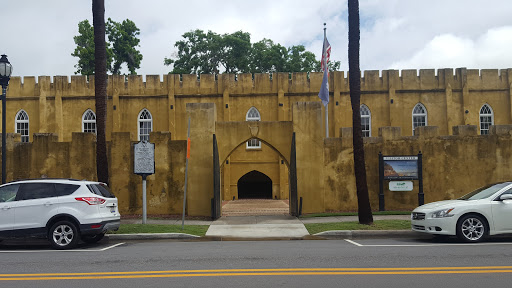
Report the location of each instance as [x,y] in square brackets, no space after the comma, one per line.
[63,235]
[472,228]
[92,238]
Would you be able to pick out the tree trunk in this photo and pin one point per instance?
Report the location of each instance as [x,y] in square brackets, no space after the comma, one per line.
[363,201]
[100,88]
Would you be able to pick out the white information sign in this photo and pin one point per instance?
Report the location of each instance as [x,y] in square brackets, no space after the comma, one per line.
[400,185]
[144,158]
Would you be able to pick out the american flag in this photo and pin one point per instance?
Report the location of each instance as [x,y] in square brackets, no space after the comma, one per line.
[324,90]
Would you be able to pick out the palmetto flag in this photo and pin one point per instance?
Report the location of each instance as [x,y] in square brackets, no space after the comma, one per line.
[324,90]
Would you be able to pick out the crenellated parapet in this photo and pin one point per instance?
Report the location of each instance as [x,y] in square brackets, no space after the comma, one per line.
[189,84]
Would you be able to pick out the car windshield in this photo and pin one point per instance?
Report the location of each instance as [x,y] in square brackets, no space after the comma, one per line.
[484,192]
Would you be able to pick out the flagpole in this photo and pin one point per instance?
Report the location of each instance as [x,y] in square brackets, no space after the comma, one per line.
[326,106]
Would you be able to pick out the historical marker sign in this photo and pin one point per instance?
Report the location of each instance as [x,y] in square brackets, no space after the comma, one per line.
[144,158]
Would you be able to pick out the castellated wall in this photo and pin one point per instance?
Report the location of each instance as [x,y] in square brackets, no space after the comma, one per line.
[46,157]
[451,97]
[452,166]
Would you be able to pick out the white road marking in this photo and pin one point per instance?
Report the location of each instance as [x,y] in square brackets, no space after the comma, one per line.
[353,242]
[425,245]
[437,245]
[77,250]
[110,247]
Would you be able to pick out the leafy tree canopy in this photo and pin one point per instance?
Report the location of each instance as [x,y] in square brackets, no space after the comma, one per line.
[121,47]
[206,53]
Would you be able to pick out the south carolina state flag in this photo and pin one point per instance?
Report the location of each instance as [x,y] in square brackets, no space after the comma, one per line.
[324,90]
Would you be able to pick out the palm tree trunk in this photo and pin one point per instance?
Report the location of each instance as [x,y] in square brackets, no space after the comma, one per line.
[100,88]
[363,201]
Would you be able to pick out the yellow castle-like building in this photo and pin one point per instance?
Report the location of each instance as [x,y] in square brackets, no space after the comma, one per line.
[407,99]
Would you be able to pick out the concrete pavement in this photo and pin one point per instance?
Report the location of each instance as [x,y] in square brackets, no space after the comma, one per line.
[267,227]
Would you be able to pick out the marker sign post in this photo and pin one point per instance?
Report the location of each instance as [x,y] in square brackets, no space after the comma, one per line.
[144,165]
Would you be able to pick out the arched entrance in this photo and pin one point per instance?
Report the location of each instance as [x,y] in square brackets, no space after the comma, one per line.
[254,185]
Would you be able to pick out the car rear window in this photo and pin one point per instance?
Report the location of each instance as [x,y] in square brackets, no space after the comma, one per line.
[65,189]
[29,191]
[101,189]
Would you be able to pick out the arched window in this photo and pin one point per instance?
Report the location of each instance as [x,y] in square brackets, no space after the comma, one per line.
[253,115]
[21,125]
[89,122]
[145,124]
[366,121]
[419,116]
[486,119]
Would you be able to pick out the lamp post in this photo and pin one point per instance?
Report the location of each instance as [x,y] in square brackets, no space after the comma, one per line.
[5,76]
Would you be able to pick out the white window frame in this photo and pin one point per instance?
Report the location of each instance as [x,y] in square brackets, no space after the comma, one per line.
[25,137]
[144,113]
[485,130]
[417,115]
[87,120]
[250,116]
[367,115]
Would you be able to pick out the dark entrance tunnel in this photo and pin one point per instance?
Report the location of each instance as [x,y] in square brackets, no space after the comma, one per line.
[254,185]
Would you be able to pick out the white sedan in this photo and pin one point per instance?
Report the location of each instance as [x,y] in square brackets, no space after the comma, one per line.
[472,217]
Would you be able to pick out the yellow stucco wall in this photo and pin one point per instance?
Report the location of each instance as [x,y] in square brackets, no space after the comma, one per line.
[56,105]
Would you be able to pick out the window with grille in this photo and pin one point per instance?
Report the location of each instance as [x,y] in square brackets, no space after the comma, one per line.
[22,125]
[366,121]
[486,119]
[253,115]
[145,124]
[89,122]
[419,116]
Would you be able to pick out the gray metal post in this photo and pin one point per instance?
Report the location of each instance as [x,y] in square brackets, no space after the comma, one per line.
[4,92]
[326,106]
[144,204]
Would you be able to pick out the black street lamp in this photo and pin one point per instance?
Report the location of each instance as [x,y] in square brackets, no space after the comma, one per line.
[5,76]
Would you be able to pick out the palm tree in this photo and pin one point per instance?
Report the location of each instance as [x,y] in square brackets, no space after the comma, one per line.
[100,88]
[363,201]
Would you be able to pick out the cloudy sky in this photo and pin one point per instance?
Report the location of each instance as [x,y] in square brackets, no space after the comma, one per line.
[38,35]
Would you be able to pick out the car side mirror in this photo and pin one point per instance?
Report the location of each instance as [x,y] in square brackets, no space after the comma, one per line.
[506,197]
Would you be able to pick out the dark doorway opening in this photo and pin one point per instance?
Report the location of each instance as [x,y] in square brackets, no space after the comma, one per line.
[254,185]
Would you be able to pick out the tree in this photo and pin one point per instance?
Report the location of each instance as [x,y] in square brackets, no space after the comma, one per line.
[267,57]
[300,60]
[100,88]
[236,50]
[363,201]
[204,53]
[85,49]
[123,37]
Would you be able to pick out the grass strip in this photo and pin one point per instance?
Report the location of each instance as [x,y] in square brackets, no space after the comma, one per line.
[199,230]
[314,228]
[354,214]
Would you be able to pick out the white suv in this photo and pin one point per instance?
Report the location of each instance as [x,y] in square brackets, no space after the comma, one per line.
[61,210]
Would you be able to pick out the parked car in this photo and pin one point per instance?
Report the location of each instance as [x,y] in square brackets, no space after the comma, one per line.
[472,217]
[62,210]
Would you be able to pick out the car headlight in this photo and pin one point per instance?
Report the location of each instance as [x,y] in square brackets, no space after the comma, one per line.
[443,213]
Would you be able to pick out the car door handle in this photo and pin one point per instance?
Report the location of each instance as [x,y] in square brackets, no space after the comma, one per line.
[48,204]
[6,208]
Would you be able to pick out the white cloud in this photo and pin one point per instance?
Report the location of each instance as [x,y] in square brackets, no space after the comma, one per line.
[490,50]
[39,38]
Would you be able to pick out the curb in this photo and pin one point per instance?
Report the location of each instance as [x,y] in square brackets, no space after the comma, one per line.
[358,234]
[334,234]
[152,236]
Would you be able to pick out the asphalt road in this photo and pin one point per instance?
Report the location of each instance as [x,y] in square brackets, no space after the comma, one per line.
[304,263]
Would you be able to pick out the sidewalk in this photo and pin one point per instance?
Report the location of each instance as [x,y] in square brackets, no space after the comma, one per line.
[267,227]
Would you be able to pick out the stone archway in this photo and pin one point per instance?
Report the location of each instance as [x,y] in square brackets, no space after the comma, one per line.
[254,185]
[305,160]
